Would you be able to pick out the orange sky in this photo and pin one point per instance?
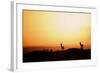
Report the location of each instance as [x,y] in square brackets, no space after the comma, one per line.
[45,28]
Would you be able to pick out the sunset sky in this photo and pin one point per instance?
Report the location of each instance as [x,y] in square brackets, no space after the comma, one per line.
[48,28]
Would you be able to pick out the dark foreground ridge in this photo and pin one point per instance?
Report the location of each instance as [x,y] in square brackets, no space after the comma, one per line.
[70,54]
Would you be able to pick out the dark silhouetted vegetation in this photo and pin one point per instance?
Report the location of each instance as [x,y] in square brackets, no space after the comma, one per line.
[47,55]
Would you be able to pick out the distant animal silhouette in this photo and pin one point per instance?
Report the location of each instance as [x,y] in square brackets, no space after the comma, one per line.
[62,47]
[81,45]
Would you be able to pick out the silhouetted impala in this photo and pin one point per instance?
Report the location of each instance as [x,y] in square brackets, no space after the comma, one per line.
[81,45]
[62,47]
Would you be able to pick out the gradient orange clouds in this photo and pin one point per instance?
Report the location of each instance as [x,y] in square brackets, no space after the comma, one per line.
[48,28]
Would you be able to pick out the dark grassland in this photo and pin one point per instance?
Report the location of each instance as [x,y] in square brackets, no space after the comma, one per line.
[47,55]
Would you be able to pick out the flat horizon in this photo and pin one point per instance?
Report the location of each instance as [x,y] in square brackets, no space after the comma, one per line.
[50,29]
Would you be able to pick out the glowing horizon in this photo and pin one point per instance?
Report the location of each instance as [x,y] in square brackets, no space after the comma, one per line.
[47,28]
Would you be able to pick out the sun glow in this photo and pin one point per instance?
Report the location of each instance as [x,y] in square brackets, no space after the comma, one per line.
[42,28]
